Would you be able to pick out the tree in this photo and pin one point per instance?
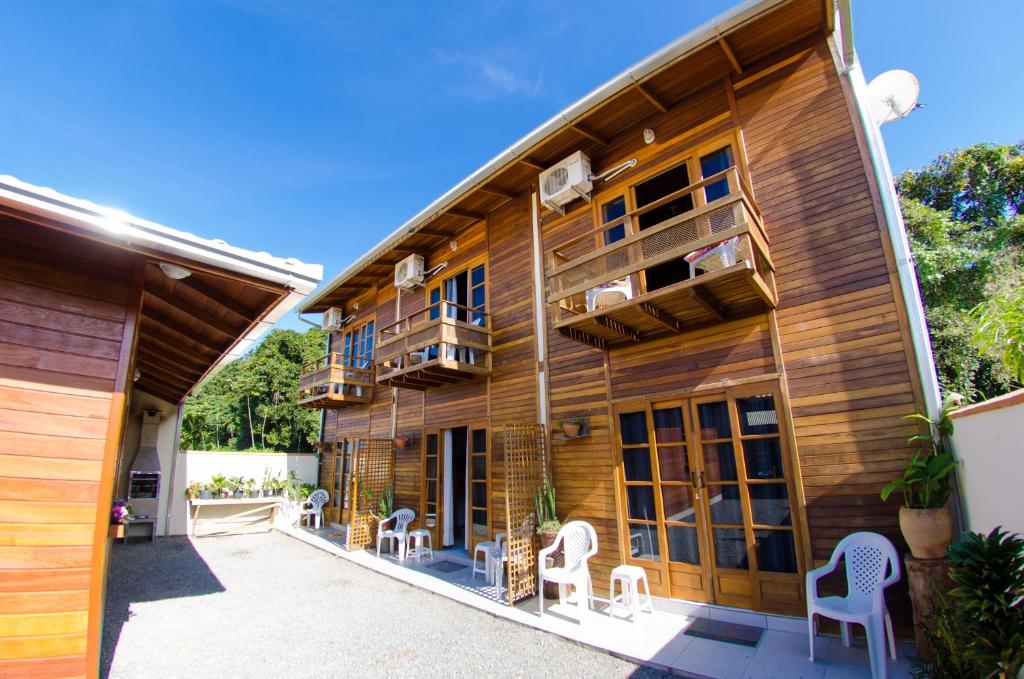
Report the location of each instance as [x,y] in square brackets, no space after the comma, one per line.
[963,216]
[252,402]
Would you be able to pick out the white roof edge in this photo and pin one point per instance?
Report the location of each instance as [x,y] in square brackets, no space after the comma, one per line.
[117,226]
[672,52]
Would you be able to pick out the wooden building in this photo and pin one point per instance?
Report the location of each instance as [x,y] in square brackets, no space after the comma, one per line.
[100,314]
[730,314]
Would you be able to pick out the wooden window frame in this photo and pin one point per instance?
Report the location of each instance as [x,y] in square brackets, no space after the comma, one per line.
[466,268]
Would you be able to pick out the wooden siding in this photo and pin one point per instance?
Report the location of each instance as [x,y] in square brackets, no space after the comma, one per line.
[60,344]
[837,346]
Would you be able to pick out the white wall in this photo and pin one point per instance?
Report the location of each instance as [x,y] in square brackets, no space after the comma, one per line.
[988,438]
[141,401]
[194,465]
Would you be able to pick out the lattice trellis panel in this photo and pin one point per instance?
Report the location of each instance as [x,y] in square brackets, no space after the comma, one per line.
[373,470]
[525,461]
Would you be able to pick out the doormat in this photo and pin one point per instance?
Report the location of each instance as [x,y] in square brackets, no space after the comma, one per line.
[446,566]
[729,632]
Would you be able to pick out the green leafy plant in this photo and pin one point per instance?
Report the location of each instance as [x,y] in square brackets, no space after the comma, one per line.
[193,489]
[926,481]
[977,628]
[544,507]
[218,484]
[293,487]
[381,507]
[999,329]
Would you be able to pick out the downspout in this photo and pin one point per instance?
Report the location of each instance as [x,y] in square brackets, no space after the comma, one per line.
[893,218]
[539,319]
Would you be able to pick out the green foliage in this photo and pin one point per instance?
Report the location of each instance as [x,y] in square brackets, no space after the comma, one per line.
[926,481]
[999,329]
[978,629]
[252,402]
[963,216]
[385,504]
[544,507]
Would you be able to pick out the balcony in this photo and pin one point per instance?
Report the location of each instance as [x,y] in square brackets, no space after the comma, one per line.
[718,268]
[443,344]
[336,381]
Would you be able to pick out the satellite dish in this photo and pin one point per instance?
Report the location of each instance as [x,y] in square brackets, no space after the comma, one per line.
[893,95]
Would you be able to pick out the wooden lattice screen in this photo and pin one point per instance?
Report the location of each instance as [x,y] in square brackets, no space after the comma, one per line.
[524,465]
[373,470]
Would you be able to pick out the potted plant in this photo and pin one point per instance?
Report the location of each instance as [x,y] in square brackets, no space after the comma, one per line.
[219,485]
[380,507]
[548,524]
[237,486]
[268,483]
[206,491]
[193,490]
[926,485]
[250,488]
[571,428]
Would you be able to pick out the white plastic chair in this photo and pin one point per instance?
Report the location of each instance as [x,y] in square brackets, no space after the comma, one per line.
[316,501]
[868,557]
[614,292]
[579,543]
[714,257]
[399,534]
[496,559]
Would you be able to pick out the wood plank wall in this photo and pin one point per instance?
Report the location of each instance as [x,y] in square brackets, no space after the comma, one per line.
[60,343]
[840,322]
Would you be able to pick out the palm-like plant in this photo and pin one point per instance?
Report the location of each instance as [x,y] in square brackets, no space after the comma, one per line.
[926,481]
[544,507]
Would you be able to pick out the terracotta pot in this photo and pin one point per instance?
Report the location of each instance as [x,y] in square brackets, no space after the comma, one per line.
[546,540]
[928,532]
[571,429]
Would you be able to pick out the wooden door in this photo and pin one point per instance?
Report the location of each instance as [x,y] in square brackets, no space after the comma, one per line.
[327,456]
[431,492]
[706,486]
[343,479]
[478,478]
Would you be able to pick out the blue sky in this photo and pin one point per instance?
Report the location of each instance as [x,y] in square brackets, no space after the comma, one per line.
[312,128]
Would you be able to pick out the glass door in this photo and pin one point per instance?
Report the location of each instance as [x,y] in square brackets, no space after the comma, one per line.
[706,487]
[431,492]
[479,490]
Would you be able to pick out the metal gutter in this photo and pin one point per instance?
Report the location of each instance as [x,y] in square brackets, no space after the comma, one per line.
[675,51]
[894,221]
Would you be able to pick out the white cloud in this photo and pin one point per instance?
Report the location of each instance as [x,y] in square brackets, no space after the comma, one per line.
[485,77]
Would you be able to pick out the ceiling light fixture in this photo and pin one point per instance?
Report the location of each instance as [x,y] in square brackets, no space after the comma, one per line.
[174,271]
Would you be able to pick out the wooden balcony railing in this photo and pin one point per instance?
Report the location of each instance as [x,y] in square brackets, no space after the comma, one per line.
[739,281]
[336,381]
[420,352]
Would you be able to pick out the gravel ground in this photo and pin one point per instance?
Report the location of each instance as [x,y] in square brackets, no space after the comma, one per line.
[270,606]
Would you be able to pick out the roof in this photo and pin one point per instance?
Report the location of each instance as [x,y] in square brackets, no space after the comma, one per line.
[190,327]
[640,80]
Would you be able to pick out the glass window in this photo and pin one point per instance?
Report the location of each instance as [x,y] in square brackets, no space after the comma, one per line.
[479,522]
[633,428]
[431,444]
[714,420]
[776,552]
[678,503]
[610,211]
[673,463]
[668,425]
[479,440]
[720,462]
[479,494]
[435,310]
[643,542]
[712,164]
[730,548]
[641,502]
[769,503]
[764,459]
[726,506]
[479,468]
[682,544]
[478,275]
[636,464]
[757,415]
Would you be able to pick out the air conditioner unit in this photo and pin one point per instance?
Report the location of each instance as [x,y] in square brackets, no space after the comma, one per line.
[409,272]
[333,319]
[566,181]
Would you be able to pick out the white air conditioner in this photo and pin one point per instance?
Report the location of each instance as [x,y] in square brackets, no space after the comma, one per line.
[409,272]
[333,319]
[566,181]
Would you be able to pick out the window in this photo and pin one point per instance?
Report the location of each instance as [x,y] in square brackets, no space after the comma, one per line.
[655,189]
[712,164]
[610,211]
[358,346]
[467,292]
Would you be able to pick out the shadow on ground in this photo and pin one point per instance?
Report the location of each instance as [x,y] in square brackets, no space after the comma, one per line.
[168,568]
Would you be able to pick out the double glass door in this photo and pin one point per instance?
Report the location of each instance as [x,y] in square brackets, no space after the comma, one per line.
[707,490]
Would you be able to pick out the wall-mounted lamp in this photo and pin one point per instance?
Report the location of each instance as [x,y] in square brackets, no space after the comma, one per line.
[453,244]
[174,271]
[648,136]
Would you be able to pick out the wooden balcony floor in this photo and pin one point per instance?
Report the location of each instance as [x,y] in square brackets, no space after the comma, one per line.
[732,292]
[329,400]
[430,374]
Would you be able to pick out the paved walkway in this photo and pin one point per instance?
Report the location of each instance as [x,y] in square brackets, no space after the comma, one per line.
[270,606]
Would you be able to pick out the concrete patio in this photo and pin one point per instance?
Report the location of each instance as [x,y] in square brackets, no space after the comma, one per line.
[656,641]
